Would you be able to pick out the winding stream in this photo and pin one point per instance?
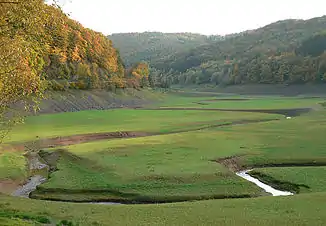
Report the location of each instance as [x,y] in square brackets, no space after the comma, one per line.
[244,174]
[36,180]
[34,164]
[29,187]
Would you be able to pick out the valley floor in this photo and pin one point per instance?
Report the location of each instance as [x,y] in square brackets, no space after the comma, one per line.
[188,147]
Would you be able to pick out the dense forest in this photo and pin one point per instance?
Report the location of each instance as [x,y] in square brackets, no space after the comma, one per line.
[154,47]
[59,51]
[290,51]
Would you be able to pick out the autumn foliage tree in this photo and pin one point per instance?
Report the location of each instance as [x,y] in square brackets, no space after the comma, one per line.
[80,56]
[41,48]
[137,76]
[21,59]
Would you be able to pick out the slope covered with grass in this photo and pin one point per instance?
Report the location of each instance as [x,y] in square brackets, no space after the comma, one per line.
[268,211]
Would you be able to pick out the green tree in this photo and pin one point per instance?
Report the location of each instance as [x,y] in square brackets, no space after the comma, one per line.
[324,77]
[266,75]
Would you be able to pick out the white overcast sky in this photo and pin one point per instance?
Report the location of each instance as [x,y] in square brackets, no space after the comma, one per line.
[198,16]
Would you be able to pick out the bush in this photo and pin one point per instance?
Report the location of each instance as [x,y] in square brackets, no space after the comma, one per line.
[65,223]
[81,85]
[56,86]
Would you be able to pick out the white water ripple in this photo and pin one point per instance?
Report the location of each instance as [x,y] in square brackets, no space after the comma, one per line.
[244,174]
[29,187]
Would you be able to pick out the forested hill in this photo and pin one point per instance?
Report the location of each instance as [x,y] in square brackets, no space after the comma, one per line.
[155,46]
[266,55]
[289,51]
[40,41]
[78,57]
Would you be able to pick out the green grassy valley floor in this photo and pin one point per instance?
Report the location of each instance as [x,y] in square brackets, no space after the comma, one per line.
[298,210]
[188,152]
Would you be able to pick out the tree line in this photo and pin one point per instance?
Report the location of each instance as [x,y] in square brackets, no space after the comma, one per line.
[289,52]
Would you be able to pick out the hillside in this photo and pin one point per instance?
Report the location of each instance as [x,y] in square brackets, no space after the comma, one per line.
[277,53]
[80,100]
[266,55]
[155,46]
[57,49]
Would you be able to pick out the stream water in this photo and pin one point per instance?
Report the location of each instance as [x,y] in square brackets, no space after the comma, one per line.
[244,174]
[29,187]
[36,180]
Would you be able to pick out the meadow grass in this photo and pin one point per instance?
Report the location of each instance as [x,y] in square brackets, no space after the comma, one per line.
[248,102]
[12,166]
[299,140]
[297,179]
[10,221]
[162,167]
[176,167]
[66,124]
[182,164]
[264,103]
[251,212]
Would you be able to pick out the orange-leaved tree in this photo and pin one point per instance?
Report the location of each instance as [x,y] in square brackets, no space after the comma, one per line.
[22,47]
[139,74]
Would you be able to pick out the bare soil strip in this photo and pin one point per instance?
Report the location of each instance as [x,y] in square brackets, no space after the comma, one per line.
[85,138]
[7,186]
[233,163]
[78,139]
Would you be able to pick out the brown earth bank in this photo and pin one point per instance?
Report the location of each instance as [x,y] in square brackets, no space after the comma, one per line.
[103,196]
[236,163]
[233,163]
[8,186]
[78,100]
